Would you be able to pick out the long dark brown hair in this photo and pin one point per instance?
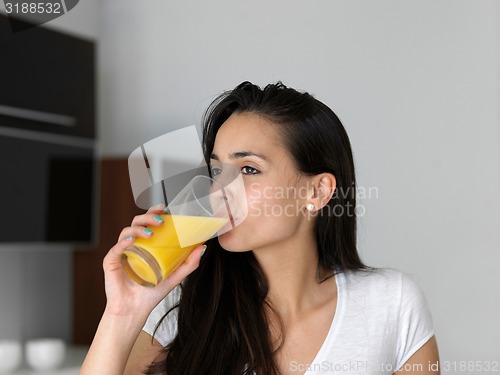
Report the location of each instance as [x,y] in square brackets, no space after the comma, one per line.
[222,324]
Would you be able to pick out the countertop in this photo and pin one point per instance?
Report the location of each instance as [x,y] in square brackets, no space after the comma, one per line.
[74,359]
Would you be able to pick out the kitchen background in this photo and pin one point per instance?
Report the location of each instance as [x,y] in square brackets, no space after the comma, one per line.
[416,84]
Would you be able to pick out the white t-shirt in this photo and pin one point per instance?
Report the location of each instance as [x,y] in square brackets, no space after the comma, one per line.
[381,319]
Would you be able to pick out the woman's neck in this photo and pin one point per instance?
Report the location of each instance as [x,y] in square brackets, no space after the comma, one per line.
[291,269]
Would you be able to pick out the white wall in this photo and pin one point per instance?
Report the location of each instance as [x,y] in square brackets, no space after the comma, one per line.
[417,86]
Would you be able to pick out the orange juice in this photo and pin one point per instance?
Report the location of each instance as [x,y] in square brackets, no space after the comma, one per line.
[150,260]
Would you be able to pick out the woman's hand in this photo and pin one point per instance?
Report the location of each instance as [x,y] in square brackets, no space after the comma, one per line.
[126,297]
[128,303]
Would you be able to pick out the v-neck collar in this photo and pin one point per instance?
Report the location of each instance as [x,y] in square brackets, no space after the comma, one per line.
[334,326]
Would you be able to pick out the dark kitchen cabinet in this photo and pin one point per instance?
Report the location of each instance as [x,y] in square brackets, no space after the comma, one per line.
[48,81]
[47,136]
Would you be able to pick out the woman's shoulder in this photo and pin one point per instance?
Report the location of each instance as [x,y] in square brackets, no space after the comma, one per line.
[383,284]
[385,291]
[394,297]
[375,278]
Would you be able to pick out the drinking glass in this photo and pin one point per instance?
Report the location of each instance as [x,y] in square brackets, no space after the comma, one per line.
[205,208]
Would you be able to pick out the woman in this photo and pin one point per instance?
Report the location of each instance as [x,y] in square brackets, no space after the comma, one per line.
[285,292]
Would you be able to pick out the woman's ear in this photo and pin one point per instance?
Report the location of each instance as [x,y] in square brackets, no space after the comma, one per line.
[324,187]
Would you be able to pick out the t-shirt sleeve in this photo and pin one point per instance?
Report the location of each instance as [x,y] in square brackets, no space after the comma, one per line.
[415,326]
[166,331]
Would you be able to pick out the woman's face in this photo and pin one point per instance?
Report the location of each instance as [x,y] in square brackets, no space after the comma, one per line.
[276,194]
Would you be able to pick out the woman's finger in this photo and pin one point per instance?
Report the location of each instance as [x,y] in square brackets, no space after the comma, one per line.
[136,232]
[151,218]
[126,239]
[159,208]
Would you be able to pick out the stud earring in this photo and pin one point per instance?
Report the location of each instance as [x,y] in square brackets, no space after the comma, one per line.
[310,207]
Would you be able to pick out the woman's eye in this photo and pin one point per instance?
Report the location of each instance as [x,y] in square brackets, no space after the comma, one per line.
[246,170]
[250,170]
[216,171]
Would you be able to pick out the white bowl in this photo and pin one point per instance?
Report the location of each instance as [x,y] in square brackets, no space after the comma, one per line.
[45,354]
[11,355]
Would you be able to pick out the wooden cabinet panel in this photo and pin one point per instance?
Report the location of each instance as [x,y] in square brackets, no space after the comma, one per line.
[117,209]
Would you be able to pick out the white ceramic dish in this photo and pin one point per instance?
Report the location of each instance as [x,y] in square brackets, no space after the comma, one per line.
[45,354]
[11,355]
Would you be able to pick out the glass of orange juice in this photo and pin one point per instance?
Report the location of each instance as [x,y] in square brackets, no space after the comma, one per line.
[205,208]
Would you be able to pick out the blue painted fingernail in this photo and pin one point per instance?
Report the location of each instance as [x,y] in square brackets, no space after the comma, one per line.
[158,219]
[129,238]
[147,231]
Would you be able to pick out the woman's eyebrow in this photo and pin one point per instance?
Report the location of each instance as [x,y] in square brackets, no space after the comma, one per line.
[241,154]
